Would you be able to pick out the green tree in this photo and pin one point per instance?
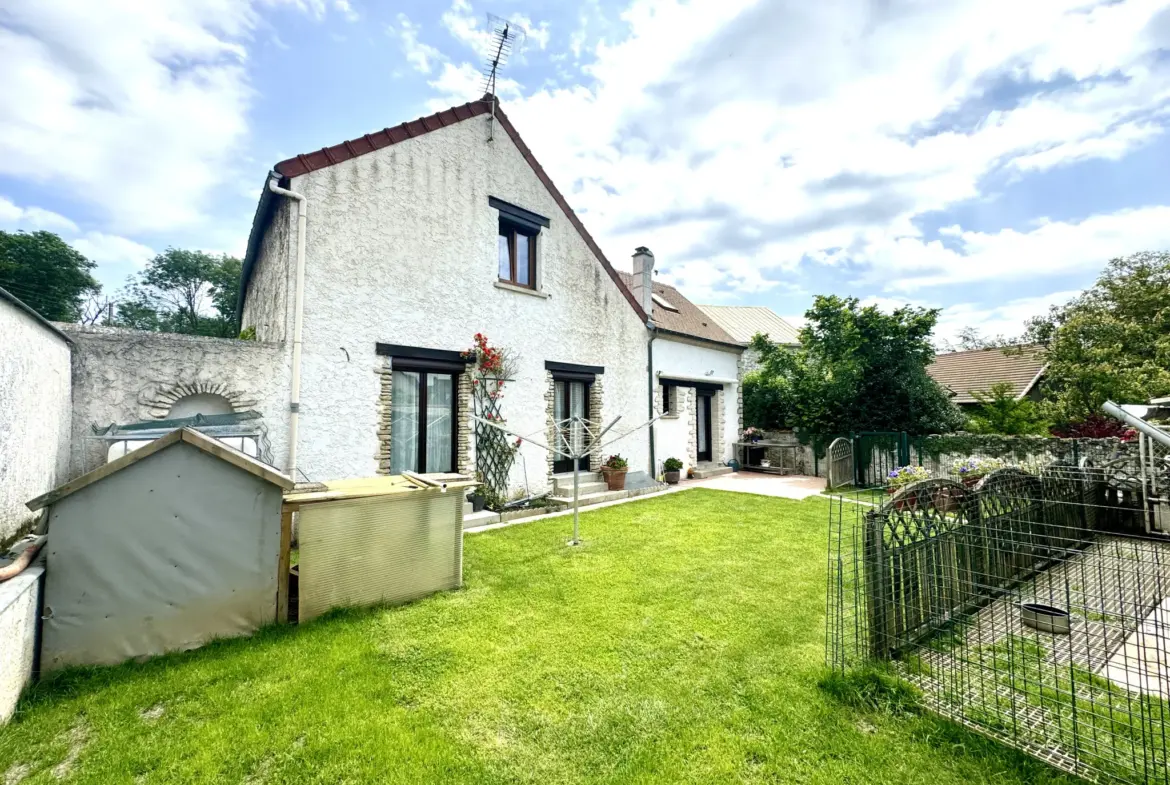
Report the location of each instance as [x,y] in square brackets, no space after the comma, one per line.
[184,292]
[1110,342]
[1001,412]
[856,369]
[46,273]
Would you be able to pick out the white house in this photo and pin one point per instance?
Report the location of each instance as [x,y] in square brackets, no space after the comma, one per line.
[370,268]
[696,375]
[376,261]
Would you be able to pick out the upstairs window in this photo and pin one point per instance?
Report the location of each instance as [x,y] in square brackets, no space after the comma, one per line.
[518,243]
[517,253]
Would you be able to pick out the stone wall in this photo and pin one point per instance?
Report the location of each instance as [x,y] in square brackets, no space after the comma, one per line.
[124,376]
[35,392]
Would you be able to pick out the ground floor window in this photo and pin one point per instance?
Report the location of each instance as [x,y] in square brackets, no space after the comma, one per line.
[571,400]
[423,421]
[703,425]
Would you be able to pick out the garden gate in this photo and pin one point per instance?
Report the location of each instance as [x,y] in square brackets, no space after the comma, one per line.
[876,454]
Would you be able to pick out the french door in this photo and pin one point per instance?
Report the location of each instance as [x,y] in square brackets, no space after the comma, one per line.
[703,426]
[571,399]
[422,421]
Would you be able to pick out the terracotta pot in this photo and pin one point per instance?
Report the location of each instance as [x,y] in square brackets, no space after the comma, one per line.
[908,503]
[672,478]
[971,482]
[615,479]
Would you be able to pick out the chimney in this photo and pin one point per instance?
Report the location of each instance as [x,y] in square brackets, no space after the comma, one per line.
[643,282]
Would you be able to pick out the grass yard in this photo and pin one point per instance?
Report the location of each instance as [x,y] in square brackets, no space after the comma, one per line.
[683,643]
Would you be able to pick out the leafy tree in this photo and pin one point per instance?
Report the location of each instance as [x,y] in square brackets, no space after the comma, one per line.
[855,369]
[1000,412]
[970,339]
[47,274]
[184,292]
[1110,342]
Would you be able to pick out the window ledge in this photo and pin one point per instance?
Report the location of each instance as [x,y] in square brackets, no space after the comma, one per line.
[511,287]
[669,417]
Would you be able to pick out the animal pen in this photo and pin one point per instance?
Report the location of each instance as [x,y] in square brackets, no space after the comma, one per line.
[1032,607]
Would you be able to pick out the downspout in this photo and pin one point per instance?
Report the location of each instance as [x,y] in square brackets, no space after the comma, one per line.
[294,404]
[650,393]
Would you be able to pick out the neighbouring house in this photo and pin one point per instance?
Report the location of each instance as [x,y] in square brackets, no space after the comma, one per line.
[696,373]
[964,373]
[375,262]
[744,322]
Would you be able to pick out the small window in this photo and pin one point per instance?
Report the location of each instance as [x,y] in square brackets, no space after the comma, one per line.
[669,400]
[517,254]
[662,301]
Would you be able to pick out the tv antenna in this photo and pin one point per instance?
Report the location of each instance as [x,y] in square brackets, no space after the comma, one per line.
[505,36]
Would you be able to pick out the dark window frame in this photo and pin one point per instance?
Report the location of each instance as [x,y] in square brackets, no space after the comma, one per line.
[667,399]
[427,362]
[511,230]
[562,465]
[704,401]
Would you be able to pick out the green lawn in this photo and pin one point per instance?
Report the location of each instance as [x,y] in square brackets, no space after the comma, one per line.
[682,643]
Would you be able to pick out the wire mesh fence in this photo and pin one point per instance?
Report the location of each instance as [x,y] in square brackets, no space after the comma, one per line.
[1030,606]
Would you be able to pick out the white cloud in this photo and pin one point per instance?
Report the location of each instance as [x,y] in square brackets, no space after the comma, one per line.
[422,57]
[871,116]
[1053,248]
[137,107]
[1007,319]
[458,84]
[464,26]
[13,216]
[113,251]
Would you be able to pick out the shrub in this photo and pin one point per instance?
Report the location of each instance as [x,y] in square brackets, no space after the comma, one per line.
[617,463]
[672,465]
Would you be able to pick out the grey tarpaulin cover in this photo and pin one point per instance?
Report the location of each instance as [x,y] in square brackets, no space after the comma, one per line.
[166,549]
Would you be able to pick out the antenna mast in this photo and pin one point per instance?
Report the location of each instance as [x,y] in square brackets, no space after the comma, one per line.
[505,36]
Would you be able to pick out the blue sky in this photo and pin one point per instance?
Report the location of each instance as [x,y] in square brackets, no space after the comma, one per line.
[983,156]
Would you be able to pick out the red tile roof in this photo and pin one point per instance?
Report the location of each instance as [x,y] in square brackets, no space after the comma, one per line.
[368,143]
[979,369]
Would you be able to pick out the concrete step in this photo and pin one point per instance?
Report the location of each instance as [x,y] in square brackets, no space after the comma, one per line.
[592,498]
[563,483]
[705,470]
[585,488]
[468,508]
[481,518]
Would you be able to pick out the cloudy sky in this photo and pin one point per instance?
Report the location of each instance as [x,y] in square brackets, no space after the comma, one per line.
[982,155]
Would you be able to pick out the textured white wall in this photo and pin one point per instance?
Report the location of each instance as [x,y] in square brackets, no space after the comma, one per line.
[402,250]
[686,359]
[18,631]
[34,413]
[117,373]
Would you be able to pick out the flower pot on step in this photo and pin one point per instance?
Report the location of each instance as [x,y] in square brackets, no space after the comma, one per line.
[672,478]
[615,479]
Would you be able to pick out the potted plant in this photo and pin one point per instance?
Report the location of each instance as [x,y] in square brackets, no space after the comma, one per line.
[970,471]
[901,477]
[614,469]
[478,500]
[752,434]
[673,469]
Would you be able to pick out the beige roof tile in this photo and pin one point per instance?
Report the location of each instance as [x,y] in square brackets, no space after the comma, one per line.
[979,369]
[688,319]
[742,322]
